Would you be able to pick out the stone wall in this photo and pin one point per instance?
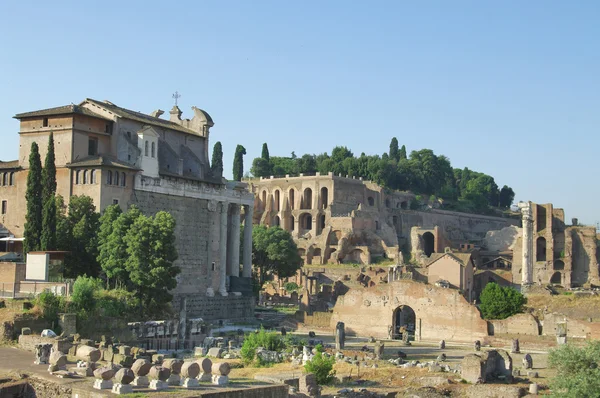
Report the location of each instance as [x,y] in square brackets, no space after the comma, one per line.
[440,313]
[575,328]
[524,324]
[213,308]
[318,319]
[28,343]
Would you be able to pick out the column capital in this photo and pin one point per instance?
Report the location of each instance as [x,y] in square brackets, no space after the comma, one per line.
[235,209]
[224,207]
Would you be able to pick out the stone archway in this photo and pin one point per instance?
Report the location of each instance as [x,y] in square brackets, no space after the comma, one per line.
[428,243]
[556,278]
[404,320]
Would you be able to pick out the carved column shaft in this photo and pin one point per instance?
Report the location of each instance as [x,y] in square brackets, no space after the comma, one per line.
[247,271]
[235,241]
[223,250]
[527,260]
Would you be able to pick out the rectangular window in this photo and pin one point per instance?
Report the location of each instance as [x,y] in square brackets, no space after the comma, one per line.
[115,201]
[4,206]
[45,123]
[93,146]
[107,128]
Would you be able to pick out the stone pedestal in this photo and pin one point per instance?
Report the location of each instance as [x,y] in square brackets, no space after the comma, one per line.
[220,380]
[205,377]
[119,388]
[189,383]
[174,380]
[141,381]
[158,385]
[100,384]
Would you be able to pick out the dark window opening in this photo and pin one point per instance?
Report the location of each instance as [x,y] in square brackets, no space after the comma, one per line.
[115,201]
[4,206]
[92,146]
[45,122]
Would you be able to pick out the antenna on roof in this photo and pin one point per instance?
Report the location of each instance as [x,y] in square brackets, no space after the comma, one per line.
[176,96]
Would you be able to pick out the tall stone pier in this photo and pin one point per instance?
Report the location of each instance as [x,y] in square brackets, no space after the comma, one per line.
[527,270]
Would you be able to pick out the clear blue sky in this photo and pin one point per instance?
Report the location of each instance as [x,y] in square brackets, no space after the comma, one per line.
[508,88]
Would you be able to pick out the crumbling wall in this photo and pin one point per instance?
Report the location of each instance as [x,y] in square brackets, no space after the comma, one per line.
[575,328]
[524,324]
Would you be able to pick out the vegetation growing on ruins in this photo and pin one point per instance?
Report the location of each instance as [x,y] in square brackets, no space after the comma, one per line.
[578,373]
[498,302]
[274,252]
[322,367]
[33,195]
[270,341]
[422,172]
[238,163]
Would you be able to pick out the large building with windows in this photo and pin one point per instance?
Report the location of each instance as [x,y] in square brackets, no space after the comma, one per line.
[119,156]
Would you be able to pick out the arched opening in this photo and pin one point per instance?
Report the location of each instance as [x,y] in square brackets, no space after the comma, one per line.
[541,218]
[77,176]
[4,178]
[387,203]
[93,177]
[292,222]
[428,243]
[355,257]
[404,205]
[276,199]
[116,178]
[329,253]
[404,321]
[153,151]
[376,225]
[540,253]
[12,179]
[146,148]
[264,199]
[276,221]
[306,221]
[109,177]
[334,237]
[292,198]
[556,278]
[371,201]
[85,176]
[322,221]
[307,200]
[123,179]
[559,265]
[324,197]
[317,252]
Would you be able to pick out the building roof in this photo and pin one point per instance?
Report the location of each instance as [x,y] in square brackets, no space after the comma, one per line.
[60,110]
[99,161]
[141,117]
[462,258]
[11,164]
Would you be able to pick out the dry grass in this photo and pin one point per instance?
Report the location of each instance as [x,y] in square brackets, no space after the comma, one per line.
[573,306]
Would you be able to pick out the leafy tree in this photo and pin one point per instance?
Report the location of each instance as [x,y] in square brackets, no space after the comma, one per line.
[238,163]
[84,290]
[322,367]
[307,164]
[63,232]
[151,252]
[49,172]
[217,160]
[82,224]
[33,195]
[402,152]
[499,302]
[577,370]
[274,252]
[109,257]
[261,167]
[506,197]
[394,151]
[48,238]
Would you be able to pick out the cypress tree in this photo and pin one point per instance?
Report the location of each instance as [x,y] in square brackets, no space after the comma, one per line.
[394,151]
[33,195]
[49,172]
[48,239]
[238,163]
[402,153]
[217,160]
[265,152]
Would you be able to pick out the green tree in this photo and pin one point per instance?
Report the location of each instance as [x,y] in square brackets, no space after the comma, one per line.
[265,152]
[49,171]
[48,238]
[506,197]
[238,163]
[82,223]
[217,160]
[108,257]
[84,291]
[499,302]
[402,153]
[151,252]
[322,367]
[577,370]
[63,231]
[33,196]
[274,252]
[394,151]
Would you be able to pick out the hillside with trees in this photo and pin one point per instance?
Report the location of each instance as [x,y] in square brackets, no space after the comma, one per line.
[422,172]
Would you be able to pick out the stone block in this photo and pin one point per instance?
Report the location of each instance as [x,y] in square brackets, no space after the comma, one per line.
[174,379]
[220,380]
[205,377]
[100,384]
[215,352]
[125,350]
[123,360]
[189,383]
[141,381]
[26,331]
[158,358]
[119,389]
[158,385]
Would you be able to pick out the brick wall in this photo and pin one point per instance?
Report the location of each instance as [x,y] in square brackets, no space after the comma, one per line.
[318,319]
[525,324]
[218,307]
[11,272]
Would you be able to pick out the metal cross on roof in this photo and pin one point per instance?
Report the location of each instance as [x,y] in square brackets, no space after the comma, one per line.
[176,96]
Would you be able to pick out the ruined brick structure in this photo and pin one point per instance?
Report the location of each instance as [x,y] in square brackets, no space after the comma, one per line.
[119,156]
[336,219]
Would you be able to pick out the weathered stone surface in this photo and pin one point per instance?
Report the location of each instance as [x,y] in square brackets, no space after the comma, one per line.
[515,347]
[307,384]
[528,361]
[215,352]
[174,365]
[124,376]
[119,389]
[379,348]
[205,365]
[472,369]
[159,373]
[477,345]
[220,380]
[88,354]
[190,370]
[442,345]
[103,384]
[221,368]
[125,350]
[58,358]
[104,373]
[141,367]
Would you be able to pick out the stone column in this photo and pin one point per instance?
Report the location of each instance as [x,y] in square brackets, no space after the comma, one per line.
[235,237]
[527,263]
[247,260]
[223,250]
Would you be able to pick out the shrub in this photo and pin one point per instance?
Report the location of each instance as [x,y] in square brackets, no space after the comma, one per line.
[322,367]
[271,341]
[116,303]
[578,374]
[319,348]
[50,305]
[84,291]
[291,287]
[499,302]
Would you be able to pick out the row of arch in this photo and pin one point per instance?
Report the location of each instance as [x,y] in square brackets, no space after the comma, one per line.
[85,177]
[399,205]
[305,221]
[306,201]
[152,150]
[8,178]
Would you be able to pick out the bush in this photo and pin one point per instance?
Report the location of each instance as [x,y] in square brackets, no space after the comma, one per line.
[291,287]
[50,305]
[271,341]
[116,303]
[322,367]
[84,292]
[499,302]
[578,374]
